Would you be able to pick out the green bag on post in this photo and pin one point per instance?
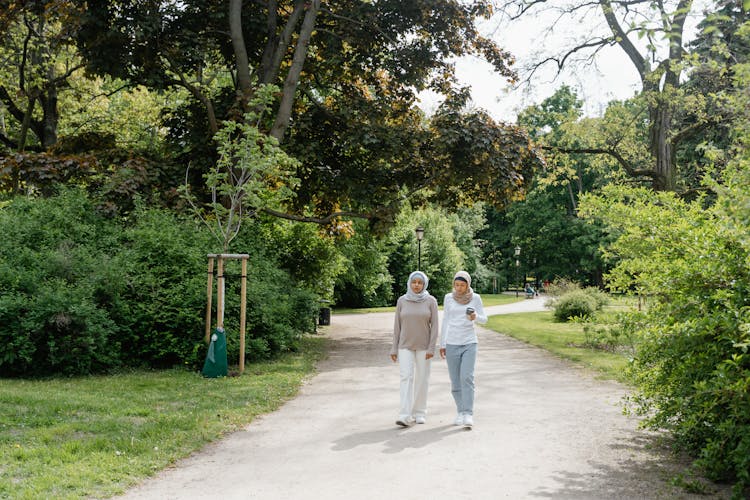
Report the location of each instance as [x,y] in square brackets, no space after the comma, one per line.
[216,358]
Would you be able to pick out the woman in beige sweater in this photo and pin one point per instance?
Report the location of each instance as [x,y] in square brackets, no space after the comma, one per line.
[415,332]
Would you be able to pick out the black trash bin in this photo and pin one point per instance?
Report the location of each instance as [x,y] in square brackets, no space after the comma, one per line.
[324,316]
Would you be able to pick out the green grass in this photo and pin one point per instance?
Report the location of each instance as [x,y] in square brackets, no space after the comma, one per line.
[95,436]
[563,339]
[487,300]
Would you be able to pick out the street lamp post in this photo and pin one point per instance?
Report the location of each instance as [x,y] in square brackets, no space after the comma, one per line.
[517,253]
[419,231]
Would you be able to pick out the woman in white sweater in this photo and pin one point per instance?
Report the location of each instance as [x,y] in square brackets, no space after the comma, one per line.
[458,343]
[415,333]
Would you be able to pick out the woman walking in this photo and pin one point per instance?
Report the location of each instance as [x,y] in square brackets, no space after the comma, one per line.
[415,333]
[458,343]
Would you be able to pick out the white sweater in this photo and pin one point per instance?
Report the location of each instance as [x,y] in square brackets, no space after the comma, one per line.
[457,328]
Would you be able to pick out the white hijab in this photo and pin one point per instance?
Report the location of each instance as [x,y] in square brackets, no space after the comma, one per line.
[421,296]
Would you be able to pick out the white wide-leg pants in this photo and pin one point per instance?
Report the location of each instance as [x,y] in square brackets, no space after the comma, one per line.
[415,379]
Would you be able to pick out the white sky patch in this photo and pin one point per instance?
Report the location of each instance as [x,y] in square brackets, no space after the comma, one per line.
[611,77]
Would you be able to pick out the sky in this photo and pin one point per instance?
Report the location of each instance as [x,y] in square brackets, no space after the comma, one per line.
[613,78]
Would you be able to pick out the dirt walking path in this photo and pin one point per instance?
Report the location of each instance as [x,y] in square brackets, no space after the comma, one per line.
[543,429]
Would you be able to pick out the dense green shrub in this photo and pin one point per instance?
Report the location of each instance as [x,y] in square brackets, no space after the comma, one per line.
[613,335]
[599,297]
[365,280]
[58,282]
[575,304]
[280,305]
[81,293]
[161,309]
[692,364]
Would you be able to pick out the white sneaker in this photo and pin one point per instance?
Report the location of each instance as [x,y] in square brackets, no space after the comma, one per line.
[459,419]
[404,421]
[420,419]
[468,421]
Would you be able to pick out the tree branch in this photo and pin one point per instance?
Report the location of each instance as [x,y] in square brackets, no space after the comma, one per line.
[621,37]
[292,78]
[634,172]
[10,105]
[212,121]
[242,63]
[274,52]
[8,142]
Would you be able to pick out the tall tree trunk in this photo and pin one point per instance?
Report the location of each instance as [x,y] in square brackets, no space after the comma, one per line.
[661,147]
[238,45]
[660,114]
[278,45]
[51,115]
[292,78]
[26,124]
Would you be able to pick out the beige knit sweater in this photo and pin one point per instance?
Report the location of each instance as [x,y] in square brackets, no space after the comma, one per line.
[415,326]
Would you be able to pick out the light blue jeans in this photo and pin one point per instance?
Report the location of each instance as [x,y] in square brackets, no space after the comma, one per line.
[461,360]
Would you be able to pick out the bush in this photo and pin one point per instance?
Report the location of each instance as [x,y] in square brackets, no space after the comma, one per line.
[611,337]
[692,365]
[162,308]
[561,286]
[58,282]
[599,297]
[576,304]
[81,293]
[280,306]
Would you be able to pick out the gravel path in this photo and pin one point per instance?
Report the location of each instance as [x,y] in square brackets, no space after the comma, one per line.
[543,429]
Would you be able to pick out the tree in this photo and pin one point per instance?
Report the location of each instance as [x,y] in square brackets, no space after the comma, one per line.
[652,35]
[38,58]
[166,43]
[251,173]
[717,52]
[692,365]
[349,74]
[554,241]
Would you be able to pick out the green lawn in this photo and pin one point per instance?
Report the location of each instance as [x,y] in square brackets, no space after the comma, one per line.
[563,339]
[95,436]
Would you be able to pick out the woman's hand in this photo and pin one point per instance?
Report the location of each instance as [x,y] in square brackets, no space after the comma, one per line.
[394,357]
[429,355]
[442,352]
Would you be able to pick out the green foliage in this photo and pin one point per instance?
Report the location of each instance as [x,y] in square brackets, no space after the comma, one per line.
[441,257]
[82,293]
[575,304]
[160,310]
[283,289]
[310,256]
[252,173]
[364,280]
[616,336]
[692,366]
[554,242]
[58,281]
[569,301]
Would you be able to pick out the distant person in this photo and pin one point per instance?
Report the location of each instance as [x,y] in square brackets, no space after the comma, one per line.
[415,333]
[458,343]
